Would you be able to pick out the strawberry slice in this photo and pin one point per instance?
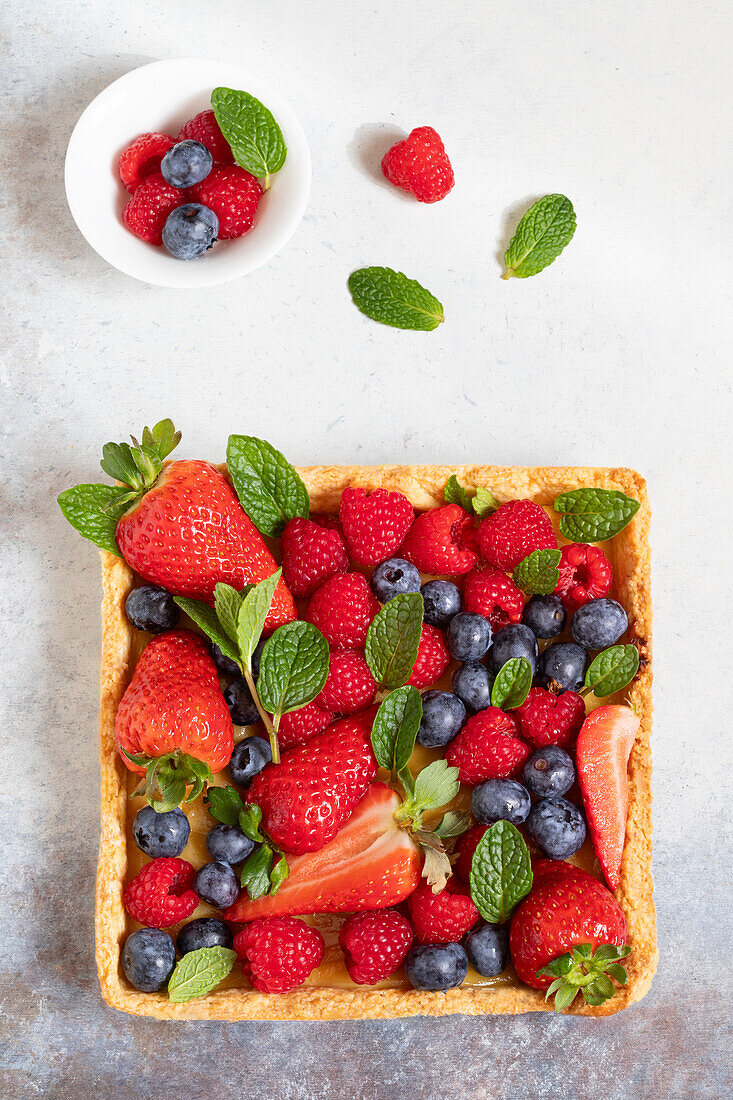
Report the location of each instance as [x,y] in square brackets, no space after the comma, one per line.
[601,758]
[371,863]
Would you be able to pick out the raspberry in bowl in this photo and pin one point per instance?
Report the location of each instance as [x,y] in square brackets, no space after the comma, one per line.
[119,146]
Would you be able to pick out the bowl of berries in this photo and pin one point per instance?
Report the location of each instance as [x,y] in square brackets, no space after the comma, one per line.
[187,173]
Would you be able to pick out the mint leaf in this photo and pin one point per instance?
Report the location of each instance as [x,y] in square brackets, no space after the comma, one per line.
[279,873]
[249,822]
[434,786]
[594,515]
[395,728]
[206,618]
[199,972]
[224,803]
[93,510]
[252,614]
[255,875]
[255,138]
[501,872]
[267,485]
[512,683]
[392,299]
[454,823]
[484,503]
[226,605]
[612,670]
[393,639]
[454,493]
[293,667]
[541,235]
[538,573]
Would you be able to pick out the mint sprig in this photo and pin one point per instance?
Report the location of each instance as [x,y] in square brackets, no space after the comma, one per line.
[198,972]
[293,668]
[254,136]
[582,970]
[391,298]
[538,573]
[542,234]
[501,872]
[395,728]
[268,487]
[512,683]
[481,502]
[393,639]
[611,670]
[594,515]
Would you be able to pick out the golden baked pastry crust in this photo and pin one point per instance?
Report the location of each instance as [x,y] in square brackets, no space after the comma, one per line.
[423,485]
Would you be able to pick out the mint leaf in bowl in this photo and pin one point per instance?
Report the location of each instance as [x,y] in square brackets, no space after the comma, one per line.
[254,136]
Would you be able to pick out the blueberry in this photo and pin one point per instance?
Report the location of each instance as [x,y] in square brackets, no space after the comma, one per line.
[152,608]
[190,230]
[556,826]
[225,665]
[436,965]
[545,616]
[515,640]
[238,698]
[500,800]
[443,714]
[393,577]
[229,844]
[469,636]
[563,662]
[160,834]
[186,163]
[204,932]
[488,949]
[256,658]
[217,884]
[549,771]
[248,759]
[472,683]
[599,624]
[148,959]
[442,601]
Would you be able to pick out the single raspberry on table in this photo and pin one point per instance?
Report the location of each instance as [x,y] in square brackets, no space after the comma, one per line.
[204,128]
[142,157]
[466,847]
[161,894]
[420,165]
[585,574]
[311,554]
[487,748]
[491,593]
[349,686]
[442,540]
[233,195]
[374,943]
[302,724]
[513,531]
[443,917]
[278,953]
[548,719]
[342,609]
[432,660]
[374,523]
[146,211]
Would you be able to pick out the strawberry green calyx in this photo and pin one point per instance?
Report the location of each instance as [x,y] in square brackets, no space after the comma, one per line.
[168,777]
[431,789]
[586,971]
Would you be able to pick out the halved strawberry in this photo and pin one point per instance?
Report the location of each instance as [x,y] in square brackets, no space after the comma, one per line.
[602,753]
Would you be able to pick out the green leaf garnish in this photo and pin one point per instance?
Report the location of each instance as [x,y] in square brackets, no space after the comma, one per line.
[93,510]
[541,235]
[481,502]
[293,667]
[206,618]
[224,804]
[392,299]
[454,493]
[270,490]
[581,970]
[612,670]
[227,602]
[594,515]
[501,872]
[512,683]
[249,822]
[254,136]
[435,786]
[454,823]
[251,616]
[255,874]
[484,502]
[393,639]
[199,972]
[538,573]
[395,728]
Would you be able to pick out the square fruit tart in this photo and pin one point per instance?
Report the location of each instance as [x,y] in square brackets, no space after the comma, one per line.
[374,740]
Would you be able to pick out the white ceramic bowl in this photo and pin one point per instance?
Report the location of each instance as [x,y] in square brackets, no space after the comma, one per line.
[162,96]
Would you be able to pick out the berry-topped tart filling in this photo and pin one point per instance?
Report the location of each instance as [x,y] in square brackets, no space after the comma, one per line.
[382,732]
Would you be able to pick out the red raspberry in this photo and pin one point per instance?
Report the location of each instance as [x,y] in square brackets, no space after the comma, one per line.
[333,523]
[142,157]
[433,658]
[146,210]
[161,894]
[204,128]
[585,574]
[374,523]
[547,719]
[233,195]
[441,541]
[278,953]
[513,531]
[487,748]
[420,164]
[443,917]
[350,685]
[302,724]
[466,847]
[342,609]
[311,554]
[374,943]
[493,594]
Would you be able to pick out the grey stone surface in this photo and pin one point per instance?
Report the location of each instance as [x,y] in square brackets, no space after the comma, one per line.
[616,355]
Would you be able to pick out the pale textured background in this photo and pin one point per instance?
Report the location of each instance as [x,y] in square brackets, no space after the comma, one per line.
[618,354]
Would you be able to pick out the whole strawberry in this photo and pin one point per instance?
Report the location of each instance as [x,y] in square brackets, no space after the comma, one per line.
[161,893]
[442,540]
[444,917]
[233,195]
[307,797]
[142,157]
[420,165]
[311,554]
[343,609]
[146,211]
[432,658]
[302,724]
[204,128]
[585,574]
[374,943]
[278,953]
[548,719]
[513,531]
[350,685]
[491,593]
[374,523]
[487,748]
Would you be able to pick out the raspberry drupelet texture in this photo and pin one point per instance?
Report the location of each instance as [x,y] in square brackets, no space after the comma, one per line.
[442,540]
[146,211]
[311,554]
[585,574]
[420,165]
[374,523]
[432,660]
[302,724]
[161,894]
[233,195]
[491,593]
[142,157]
[487,748]
[548,719]
[278,953]
[204,128]
[513,531]
[350,685]
[443,917]
[374,944]
[342,609]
